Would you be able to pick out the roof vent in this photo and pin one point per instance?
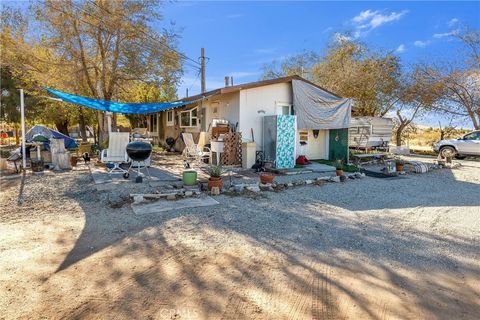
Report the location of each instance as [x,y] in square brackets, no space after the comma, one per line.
[227,81]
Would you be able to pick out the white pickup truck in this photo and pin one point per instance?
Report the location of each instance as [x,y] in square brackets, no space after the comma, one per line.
[468,145]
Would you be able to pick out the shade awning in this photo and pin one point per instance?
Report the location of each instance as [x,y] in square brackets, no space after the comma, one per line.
[117,107]
[318,109]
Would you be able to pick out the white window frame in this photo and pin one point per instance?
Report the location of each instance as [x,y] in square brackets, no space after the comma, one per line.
[171,123]
[190,118]
[283,104]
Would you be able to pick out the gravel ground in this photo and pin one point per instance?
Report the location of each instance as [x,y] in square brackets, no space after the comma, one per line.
[373,248]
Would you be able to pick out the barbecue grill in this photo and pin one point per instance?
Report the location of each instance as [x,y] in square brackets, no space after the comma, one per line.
[138,152]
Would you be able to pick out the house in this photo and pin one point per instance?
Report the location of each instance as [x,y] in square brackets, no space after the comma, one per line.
[322,117]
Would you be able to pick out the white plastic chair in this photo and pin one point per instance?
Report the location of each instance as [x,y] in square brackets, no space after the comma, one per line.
[117,151]
[192,150]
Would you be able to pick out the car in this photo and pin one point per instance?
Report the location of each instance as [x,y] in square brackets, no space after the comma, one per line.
[468,145]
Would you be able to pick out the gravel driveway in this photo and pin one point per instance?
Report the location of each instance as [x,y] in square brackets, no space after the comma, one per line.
[402,248]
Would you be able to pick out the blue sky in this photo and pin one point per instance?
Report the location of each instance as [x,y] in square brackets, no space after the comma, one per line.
[239,37]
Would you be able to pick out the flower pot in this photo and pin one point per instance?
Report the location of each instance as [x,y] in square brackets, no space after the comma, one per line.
[266,178]
[73,160]
[189,177]
[339,172]
[399,167]
[215,182]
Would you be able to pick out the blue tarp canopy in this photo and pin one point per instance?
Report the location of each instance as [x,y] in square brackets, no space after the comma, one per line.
[111,106]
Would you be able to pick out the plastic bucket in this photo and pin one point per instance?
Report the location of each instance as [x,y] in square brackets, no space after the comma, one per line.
[189,177]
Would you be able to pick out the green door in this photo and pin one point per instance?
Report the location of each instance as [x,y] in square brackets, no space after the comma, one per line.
[338,144]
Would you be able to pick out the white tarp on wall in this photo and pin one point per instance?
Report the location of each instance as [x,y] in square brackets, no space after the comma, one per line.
[318,109]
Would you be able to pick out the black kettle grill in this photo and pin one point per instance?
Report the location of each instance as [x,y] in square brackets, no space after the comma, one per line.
[138,151]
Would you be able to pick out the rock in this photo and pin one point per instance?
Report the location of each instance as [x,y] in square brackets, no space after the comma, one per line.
[334,179]
[138,198]
[308,181]
[265,187]
[289,185]
[215,191]
[327,178]
[351,176]
[116,200]
[188,193]
[253,189]
[343,178]
[171,197]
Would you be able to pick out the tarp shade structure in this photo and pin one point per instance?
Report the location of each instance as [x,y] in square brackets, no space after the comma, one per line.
[50,134]
[318,109]
[118,107]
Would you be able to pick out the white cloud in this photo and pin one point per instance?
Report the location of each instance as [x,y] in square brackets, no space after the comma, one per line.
[364,16]
[368,20]
[401,48]
[421,44]
[445,34]
[452,22]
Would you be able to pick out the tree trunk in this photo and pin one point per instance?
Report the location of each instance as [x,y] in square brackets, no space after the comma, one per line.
[83,128]
[102,127]
[399,135]
[62,126]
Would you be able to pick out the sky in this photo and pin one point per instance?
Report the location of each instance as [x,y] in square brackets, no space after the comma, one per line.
[240,37]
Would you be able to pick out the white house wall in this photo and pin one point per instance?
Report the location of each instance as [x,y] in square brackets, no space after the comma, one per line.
[255,103]
[227,107]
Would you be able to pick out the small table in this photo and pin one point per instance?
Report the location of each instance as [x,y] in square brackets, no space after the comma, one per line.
[217,147]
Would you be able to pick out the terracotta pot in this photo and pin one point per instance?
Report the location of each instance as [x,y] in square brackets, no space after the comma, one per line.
[339,172]
[266,178]
[73,161]
[215,182]
[399,167]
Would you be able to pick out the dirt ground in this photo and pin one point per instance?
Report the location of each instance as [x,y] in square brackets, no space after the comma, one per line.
[404,248]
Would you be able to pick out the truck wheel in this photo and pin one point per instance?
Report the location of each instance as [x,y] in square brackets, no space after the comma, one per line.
[448,152]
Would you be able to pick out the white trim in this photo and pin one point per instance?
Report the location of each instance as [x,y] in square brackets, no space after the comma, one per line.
[190,118]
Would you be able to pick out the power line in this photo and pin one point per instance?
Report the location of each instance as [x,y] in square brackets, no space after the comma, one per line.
[145,33]
[98,26]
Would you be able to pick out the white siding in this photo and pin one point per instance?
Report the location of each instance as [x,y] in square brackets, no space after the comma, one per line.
[262,99]
[227,106]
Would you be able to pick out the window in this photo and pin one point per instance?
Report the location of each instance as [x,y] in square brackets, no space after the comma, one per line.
[170,121]
[303,135]
[283,108]
[188,118]
[472,136]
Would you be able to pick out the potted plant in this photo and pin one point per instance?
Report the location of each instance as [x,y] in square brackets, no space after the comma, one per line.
[215,179]
[266,177]
[339,168]
[399,163]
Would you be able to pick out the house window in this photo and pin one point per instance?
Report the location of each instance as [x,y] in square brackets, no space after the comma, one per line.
[188,118]
[170,121]
[283,108]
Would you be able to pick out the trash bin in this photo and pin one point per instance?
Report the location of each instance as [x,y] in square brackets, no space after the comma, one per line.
[249,150]
[189,177]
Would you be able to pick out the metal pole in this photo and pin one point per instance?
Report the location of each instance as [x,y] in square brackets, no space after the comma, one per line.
[202,70]
[22,114]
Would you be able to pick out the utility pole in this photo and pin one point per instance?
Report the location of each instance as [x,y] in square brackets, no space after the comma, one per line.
[202,69]
[22,116]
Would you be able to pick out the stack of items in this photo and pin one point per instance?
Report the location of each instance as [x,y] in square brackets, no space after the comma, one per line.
[60,156]
[232,152]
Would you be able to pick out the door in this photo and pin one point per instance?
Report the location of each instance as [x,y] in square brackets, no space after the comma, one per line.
[338,144]
[470,144]
[316,144]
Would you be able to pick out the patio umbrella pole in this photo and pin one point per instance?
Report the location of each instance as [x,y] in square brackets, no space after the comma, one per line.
[22,114]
